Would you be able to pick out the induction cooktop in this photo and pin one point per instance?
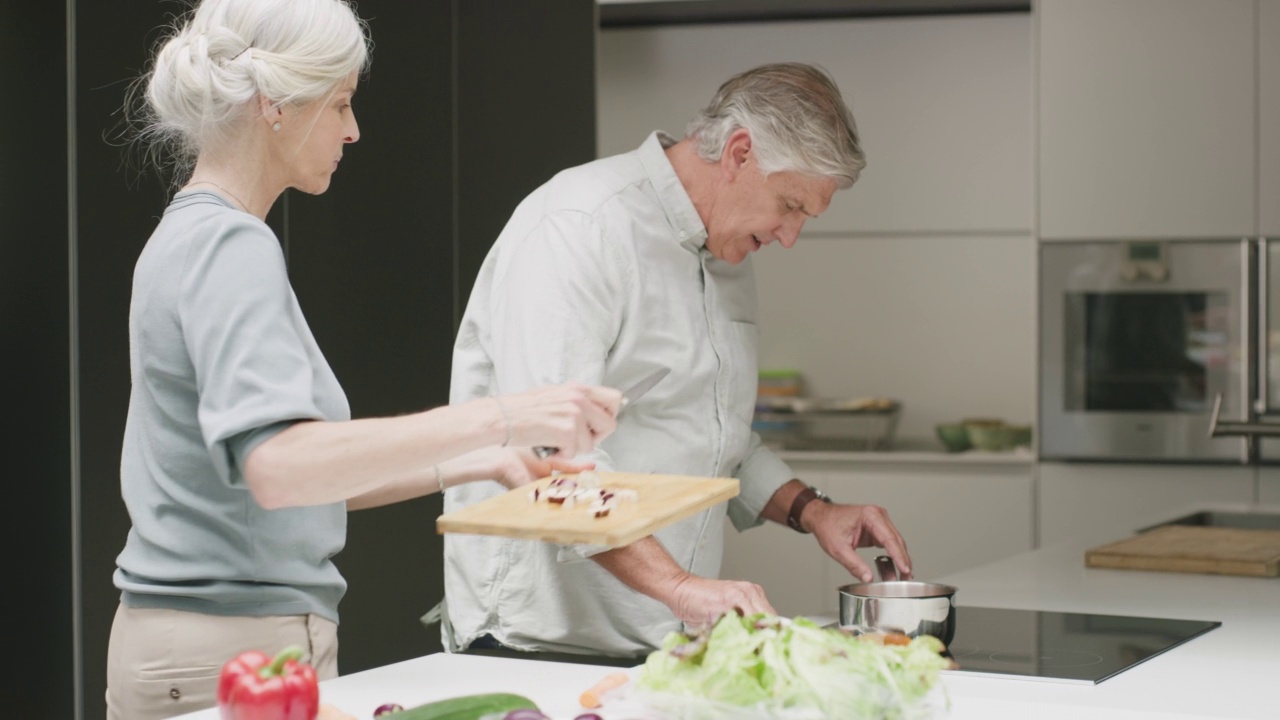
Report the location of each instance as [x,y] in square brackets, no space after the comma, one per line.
[1061,646]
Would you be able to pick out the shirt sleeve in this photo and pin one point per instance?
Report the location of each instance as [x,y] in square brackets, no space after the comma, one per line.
[243,335]
[760,475]
[557,310]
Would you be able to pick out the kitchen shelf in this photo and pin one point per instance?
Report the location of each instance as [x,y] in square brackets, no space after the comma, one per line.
[908,457]
[829,430]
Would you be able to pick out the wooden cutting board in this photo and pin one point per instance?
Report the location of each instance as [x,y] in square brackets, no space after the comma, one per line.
[660,501]
[1194,549]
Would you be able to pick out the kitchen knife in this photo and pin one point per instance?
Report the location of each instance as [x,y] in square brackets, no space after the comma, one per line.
[629,396]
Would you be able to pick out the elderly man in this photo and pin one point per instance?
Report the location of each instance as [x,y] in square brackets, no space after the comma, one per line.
[609,271]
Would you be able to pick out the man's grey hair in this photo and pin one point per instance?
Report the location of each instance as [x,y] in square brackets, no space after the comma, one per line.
[797,119]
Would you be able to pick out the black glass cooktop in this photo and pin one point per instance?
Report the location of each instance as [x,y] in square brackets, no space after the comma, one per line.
[1062,646]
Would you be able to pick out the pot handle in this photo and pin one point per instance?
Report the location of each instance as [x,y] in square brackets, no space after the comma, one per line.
[886,568]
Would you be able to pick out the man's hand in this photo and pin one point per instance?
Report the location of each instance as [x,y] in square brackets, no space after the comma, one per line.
[841,529]
[646,567]
[699,601]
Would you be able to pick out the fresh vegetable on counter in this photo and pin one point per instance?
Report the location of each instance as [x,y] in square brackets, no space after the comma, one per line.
[255,686]
[466,707]
[594,696]
[788,669]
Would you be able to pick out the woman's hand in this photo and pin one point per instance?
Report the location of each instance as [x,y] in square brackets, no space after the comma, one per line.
[572,418]
[516,467]
[512,467]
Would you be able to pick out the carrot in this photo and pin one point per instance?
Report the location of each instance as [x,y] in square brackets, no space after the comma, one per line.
[591,698]
[896,638]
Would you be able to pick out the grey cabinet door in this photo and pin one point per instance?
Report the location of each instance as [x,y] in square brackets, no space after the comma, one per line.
[1146,118]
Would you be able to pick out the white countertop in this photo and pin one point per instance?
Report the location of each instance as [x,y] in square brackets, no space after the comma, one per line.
[1232,671]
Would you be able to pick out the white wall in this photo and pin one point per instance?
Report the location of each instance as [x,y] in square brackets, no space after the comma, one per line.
[918,283]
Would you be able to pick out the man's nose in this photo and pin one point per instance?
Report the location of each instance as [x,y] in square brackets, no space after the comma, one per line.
[789,232]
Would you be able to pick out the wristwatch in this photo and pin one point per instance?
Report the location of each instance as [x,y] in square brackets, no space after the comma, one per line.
[806,496]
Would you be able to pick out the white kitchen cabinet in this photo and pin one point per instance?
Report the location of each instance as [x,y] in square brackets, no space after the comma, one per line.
[1269,117]
[953,516]
[1269,485]
[943,106]
[1114,500]
[1146,118]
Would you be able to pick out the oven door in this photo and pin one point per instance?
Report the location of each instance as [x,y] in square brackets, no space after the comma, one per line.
[1136,340]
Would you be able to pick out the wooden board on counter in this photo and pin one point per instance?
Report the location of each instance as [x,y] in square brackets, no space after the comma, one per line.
[1194,549]
[660,501]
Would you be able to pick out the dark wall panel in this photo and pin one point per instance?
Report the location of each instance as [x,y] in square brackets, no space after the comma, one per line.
[117,208]
[526,109]
[34,314]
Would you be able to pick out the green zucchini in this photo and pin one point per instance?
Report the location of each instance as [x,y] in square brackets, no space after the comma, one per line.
[466,707]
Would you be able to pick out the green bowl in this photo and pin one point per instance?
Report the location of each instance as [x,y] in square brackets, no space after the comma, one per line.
[1020,435]
[954,437]
[992,438]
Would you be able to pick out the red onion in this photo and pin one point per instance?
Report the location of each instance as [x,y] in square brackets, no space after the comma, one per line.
[387,709]
[588,716]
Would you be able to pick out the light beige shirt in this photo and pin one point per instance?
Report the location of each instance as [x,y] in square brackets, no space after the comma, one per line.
[602,276]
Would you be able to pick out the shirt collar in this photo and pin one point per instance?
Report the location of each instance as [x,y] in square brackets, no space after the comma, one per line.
[682,216]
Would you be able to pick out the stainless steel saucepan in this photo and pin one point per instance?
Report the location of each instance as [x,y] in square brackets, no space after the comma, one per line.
[909,607]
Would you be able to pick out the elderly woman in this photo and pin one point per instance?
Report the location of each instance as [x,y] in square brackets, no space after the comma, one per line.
[240,459]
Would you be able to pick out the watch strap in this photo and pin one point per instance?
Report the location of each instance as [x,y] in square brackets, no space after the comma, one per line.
[805,496]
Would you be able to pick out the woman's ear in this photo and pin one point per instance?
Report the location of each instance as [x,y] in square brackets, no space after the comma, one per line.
[272,114]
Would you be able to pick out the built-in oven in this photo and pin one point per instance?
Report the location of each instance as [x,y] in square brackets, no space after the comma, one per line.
[1137,341]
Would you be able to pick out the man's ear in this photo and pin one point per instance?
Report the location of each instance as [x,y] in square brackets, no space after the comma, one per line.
[737,152]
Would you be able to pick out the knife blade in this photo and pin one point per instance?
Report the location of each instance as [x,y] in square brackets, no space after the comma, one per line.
[629,396]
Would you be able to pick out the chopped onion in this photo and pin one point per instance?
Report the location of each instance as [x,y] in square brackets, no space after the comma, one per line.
[387,709]
[588,716]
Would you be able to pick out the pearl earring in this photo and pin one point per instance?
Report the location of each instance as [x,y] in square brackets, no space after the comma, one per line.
[276,127]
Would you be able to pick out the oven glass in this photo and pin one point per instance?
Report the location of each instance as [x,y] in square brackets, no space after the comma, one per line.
[1144,351]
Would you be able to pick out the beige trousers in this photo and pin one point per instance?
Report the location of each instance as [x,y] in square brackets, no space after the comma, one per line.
[162,663]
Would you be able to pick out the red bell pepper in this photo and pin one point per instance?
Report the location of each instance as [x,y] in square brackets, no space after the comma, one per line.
[254,686]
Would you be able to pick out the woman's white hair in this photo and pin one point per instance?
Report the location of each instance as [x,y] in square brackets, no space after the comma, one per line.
[797,119]
[222,55]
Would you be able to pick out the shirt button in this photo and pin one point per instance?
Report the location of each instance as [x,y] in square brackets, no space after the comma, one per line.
[683,234]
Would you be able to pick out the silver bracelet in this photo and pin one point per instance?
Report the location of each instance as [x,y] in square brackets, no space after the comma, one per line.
[505,418]
[439,477]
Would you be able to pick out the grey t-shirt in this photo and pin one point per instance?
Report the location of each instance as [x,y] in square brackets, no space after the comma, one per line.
[221,359]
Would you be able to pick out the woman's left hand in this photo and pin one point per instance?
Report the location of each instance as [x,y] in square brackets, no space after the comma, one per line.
[512,467]
[516,467]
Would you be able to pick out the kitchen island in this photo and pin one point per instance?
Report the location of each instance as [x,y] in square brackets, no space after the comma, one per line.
[1232,671]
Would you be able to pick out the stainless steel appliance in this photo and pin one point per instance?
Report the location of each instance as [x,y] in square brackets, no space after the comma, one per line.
[1062,646]
[1138,340]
